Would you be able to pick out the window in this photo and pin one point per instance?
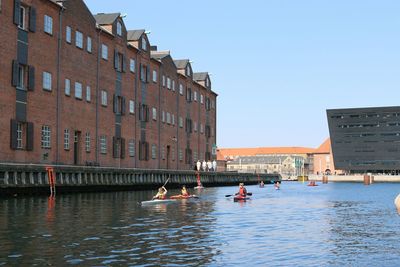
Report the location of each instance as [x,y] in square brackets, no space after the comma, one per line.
[201,128]
[119,28]
[163,153]
[144,44]
[104,51]
[180,155]
[68,34]
[173,154]
[153,151]
[173,85]
[154,76]
[195,126]
[47,81]
[195,96]
[21,23]
[168,83]
[213,104]
[78,90]
[188,70]
[79,39]
[168,118]
[163,116]
[181,89]
[19,136]
[103,98]
[201,99]
[173,119]
[87,142]
[144,73]
[131,148]
[103,144]
[132,65]
[67,87]
[46,133]
[48,24]
[89,44]
[163,80]
[131,107]
[21,77]
[88,93]
[180,122]
[154,114]
[66,139]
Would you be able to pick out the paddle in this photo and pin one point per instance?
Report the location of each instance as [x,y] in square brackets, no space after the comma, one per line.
[163,185]
[249,194]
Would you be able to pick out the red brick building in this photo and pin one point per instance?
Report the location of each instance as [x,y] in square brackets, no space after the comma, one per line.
[81,89]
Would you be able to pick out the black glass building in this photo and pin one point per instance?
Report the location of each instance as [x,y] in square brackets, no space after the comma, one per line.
[365,139]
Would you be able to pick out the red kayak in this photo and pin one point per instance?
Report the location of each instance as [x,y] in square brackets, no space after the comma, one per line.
[183,197]
[240,198]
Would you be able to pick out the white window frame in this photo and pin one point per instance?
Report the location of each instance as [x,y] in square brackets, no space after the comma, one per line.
[131,148]
[88,93]
[180,155]
[103,144]
[68,34]
[48,24]
[79,39]
[104,52]
[78,90]
[119,28]
[46,137]
[21,77]
[180,122]
[19,135]
[180,89]
[104,98]
[89,44]
[22,17]
[154,114]
[173,85]
[154,76]
[132,65]
[47,81]
[87,142]
[163,80]
[163,116]
[67,89]
[173,119]
[195,96]
[66,139]
[169,83]
[201,99]
[131,107]
[168,118]
[144,44]
[153,151]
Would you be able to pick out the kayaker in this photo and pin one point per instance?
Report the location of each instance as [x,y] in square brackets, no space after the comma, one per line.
[242,190]
[277,185]
[262,183]
[184,191]
[162,192]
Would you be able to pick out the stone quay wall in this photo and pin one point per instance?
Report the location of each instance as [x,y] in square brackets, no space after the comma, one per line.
[31,179]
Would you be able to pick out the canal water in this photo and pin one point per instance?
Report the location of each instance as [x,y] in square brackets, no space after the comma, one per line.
[338,224]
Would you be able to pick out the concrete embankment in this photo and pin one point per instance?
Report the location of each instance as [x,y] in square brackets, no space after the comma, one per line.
[357,178]
[30,179]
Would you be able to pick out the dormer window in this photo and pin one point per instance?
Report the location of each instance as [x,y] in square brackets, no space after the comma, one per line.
[119,28]
[188,71]
[144,44]
[207,82]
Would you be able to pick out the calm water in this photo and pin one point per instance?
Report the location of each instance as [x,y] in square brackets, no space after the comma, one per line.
[339,224]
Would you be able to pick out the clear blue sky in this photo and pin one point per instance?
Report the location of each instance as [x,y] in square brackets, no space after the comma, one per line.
[278,65]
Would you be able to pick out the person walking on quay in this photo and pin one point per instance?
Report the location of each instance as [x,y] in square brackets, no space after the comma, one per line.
[214,165]
[161,194]
[204,165]
[209,165]
[198,165]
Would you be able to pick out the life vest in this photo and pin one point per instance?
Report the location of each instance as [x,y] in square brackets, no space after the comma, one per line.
[184,192]
[242,191]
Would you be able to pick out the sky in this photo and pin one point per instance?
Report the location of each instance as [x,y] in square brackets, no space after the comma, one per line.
[277,66]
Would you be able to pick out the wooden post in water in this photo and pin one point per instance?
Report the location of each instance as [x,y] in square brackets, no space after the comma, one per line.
[367,179]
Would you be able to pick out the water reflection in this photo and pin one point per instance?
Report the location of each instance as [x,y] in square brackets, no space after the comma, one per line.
[332,225]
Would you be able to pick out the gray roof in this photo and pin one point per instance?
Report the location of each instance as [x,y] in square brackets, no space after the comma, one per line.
[106,19]
[134,35]
[200,76]
[181,63]
[159,54]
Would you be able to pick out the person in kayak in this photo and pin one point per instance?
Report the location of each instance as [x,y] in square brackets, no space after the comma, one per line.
[242,190]
[162,192]
[184,191]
